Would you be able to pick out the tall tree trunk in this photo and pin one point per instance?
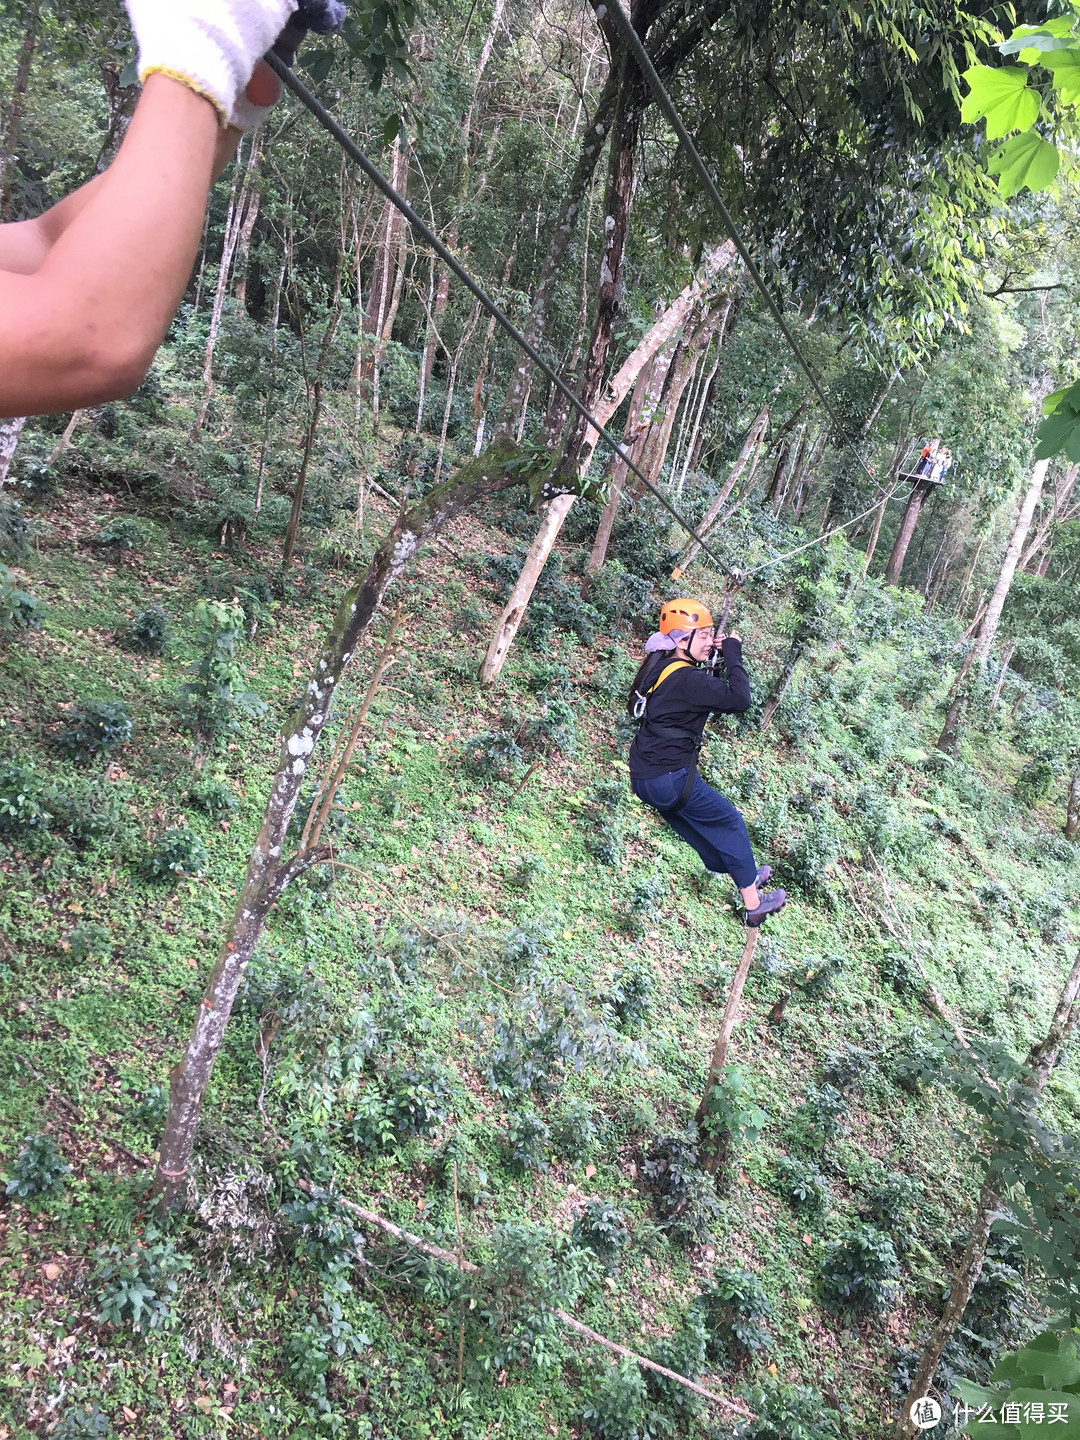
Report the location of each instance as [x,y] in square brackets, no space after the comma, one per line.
[595,136]
[9,145]
[1061,499]
[10,430]
[749,445]
[478,407]
[293,527]
[1040,1062]
[268,873]
[233,219]
[633,434]
[1002,675]
[912,511]
[247,224]
[451,383]
[694,446]
[121,100]
[388,255]
[1008,566]
[577,451]
[1072,811]
[792,470]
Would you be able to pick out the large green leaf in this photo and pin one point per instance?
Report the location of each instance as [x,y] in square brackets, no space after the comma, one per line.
[1031,1417]
[1065,67]
[1052,1358]
[1024,160]
[1059,433]
[1003,96]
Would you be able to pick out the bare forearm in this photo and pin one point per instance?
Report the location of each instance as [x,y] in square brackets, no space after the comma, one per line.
[83,326]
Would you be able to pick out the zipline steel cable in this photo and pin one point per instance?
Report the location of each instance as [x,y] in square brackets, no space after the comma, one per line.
[291,82]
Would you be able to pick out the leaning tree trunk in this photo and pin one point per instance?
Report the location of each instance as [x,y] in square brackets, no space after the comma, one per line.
[915,503]
[1040,1062]
[268,873]
[9,144]
[578,448]
[10,430]
[780,689]
[1008,566]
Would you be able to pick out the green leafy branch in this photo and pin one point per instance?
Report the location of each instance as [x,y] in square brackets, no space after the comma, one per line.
[1015,100]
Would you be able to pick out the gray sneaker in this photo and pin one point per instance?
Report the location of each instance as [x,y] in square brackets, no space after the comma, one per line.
[772,902]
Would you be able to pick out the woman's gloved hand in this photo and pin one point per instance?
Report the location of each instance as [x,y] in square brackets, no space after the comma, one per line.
[264,91]
[211,46]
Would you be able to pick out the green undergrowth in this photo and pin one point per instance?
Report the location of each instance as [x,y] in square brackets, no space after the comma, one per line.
[490,1023]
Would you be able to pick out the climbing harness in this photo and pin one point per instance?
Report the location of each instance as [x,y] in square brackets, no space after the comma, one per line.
[661,731]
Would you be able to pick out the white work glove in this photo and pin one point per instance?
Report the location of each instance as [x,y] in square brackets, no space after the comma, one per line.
[211,46]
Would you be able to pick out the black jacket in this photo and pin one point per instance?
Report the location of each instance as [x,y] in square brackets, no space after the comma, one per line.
[686,699]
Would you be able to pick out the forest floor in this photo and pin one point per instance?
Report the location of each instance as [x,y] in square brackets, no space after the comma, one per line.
[527,985]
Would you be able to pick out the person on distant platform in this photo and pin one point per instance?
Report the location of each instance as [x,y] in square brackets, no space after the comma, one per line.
[673,696]
[88,289]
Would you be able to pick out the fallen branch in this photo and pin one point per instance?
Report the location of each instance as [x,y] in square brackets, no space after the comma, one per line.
[460,1263]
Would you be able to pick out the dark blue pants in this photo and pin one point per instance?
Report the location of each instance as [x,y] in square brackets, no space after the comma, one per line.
[707,822]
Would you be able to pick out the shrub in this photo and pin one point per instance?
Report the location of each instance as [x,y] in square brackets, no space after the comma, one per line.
[914,1061]
[575,1131]
[140,1283]
[603,1230]
[819,1116]
[732,1115]
[491,755]
[527,872]
[859,1272]
[1035,782]
[90,941]
[788,1412]
[683,1352]
[815,975]
[322,1229]
[848,1068]
[80,1424]
[802,1185]
[39,1168]
[685,1194]
[214,798]
[529,1137]
[23,799]
[889,1204]
[419,1099]
[210,704]
[733,1304]
[177,852]
[14,531]
[100,727]
[148,633]
[121,534]
[896,970]
[628,995]
[614,1403]
[19,610]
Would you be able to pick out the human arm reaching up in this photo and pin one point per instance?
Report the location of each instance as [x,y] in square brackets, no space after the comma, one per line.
[88,290]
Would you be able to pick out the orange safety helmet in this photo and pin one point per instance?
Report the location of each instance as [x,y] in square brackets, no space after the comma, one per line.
[683,614]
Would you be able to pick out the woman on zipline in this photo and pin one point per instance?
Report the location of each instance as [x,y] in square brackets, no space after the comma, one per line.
[89,288]
[673,697]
